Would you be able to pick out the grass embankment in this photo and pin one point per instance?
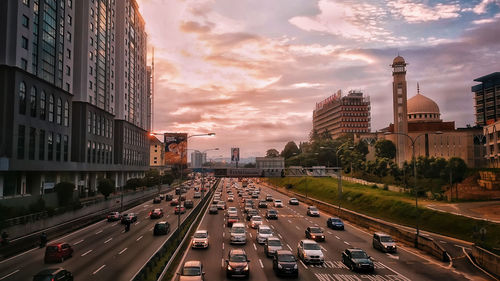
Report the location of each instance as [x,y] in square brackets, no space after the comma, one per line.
[395,207]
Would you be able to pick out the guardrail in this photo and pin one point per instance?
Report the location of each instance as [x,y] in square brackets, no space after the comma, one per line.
[487,260]
[160,261]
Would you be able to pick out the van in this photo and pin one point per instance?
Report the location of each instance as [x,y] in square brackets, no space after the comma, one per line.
[57,252]
[238,233]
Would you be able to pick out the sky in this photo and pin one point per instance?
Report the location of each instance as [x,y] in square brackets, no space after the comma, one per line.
[252,70]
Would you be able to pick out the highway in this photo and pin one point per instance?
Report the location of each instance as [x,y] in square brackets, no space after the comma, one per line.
[102,251]
[406,264]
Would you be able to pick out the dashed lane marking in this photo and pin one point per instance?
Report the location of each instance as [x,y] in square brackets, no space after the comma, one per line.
[347,243]
[140,237]
[303,263]
[122,251]
[99,269]
[86,253]
[10,274]
[108,240]
[337,237]
[289,247]
[78,242]
[98,232]
[261,264]
[137,223]
[255,247]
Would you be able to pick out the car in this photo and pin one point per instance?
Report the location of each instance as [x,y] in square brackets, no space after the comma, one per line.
[161,228]
[335,223]
[255,195]
[183,197]
[169,197]
[272,214]
[114,216]
[197,195]
[192,271]
[278,203]
[156,214]
[179,209]
[232,210]
[162,196]
[255,221]
[221,205]
[213,209]
[200,239]
[189,204]
[232,218]
[130,217]
[293,201]
[263,232]
[309,251]
[285,264]
[269,198]
[248,207]
[230,198]
[357,260]
[312,211]
[384,242]
[315,233]
[238,234]
[174,202]
[57,252]
[59,274]
[262,204]
[177,191]
[271,245]
[251,213]
[237,264]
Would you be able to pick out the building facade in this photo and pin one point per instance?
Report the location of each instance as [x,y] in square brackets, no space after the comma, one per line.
[400,111]
[338,115]
[492,145]
[487,99]
[270,166]
[198,159]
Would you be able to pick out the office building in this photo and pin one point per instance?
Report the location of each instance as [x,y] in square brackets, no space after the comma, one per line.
[339,115]
[198,159]
[270,166]
[487,99]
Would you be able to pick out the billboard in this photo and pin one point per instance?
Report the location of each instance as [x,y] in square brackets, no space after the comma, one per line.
[175,148]
[235,154]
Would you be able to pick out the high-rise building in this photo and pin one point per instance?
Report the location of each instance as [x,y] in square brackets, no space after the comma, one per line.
[198,159]
[399,99]
[487,99]
[339,115]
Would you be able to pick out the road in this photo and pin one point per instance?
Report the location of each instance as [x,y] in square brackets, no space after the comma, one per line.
[102,251]
[406,264]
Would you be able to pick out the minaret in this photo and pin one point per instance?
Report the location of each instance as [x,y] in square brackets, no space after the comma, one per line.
[399,97]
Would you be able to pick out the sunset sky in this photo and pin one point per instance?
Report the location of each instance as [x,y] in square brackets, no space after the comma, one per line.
[252,70]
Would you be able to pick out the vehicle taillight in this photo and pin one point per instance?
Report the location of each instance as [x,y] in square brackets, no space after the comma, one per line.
[150,213]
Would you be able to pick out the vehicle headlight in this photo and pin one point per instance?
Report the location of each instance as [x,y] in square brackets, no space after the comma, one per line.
[295,266]
[245,268]
[313,236]
[280,266]
[229,267]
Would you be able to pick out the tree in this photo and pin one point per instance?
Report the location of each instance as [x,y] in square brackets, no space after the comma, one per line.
[106,187]
[64,192]
[455,172]
[290,150]
[385,149]
[167,178]
[272,153]
[134,183]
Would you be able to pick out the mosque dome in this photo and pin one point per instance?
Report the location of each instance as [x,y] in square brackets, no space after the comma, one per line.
[422,109]
[398,60]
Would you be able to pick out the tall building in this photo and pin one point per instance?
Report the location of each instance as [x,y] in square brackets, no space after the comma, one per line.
[399,97]
[198,159]
[487,99]
[339,115]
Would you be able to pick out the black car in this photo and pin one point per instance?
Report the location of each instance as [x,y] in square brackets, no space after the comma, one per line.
[189,204]
[157,200]
[357,260]
[161,228]
[251,213]
[237,264]
[213,209]
[169,197]
[315,233]
[285,264]
[272,214]
[335,223]
[130,217]
[59,274]
[262,204]
[177,191]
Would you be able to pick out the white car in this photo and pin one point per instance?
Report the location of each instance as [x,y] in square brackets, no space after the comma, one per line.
[230,198]
[310,252]
[232,211]
[278,203]
[263,232]
[255,221]
[238,234]
[200,239]
[197,195]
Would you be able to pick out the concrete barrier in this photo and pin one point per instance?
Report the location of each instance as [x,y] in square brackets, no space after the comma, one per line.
[487,260]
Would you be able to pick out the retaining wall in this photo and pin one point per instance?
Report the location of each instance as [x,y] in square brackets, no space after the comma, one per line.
[487,260]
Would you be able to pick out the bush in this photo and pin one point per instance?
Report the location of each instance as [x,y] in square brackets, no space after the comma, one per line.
[37,206]
[386,186]
[64,192]
[133,183]
[374,186]
[106,187]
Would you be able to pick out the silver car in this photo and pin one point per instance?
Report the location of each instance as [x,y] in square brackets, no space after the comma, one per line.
[192,271]
[310,252]
[384,242]
[272,245]
[255,221]
[263,232]
[200,239]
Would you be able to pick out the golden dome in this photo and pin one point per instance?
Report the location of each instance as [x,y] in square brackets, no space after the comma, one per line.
[423,109]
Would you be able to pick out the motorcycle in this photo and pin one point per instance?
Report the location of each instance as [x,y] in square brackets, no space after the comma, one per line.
[127,227]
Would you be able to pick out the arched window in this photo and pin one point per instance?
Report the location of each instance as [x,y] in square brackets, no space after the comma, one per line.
[66,114]
[59,111]
[51,108]
[42,105]
[33,102]
[22,98]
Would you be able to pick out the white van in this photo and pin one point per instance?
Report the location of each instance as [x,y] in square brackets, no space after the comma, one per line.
[238,233]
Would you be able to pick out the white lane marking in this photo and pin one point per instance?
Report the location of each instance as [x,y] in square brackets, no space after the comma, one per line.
[329,232]
[401,275]
[303,263]
[98,231]
[289,221]
[108,240]
[78,242]
[99,269]
[10,274]
[444,242]
[222,263]
[121,252]
[137,223]
[261,264]
[324,249]
[289,247]
[347,243]
[222,246]
[392,256]
[140,237]
[272,226]
[223,234]
[255,247]
[337,237]
[297,227]
[87,252]
[146,217]
[280,236]
[250,235]
[114,224]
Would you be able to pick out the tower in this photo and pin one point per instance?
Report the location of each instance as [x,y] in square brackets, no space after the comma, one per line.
[399,99]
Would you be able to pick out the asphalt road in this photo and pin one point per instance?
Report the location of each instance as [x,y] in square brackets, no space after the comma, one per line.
[406,264]
[102,251]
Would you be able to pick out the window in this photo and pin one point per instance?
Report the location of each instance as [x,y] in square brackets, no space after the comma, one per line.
[20,141]
[68,36]
[32,144]
[24,64]
[91,70]
[88,152]
[26,2]
[70,3]
[70,20]
[24,42]
[89,122]
[42,105]
[59,111]
[33,102]
[68,53]
[90,85]
[41,146]
[22,98]
[67,87]
[51,108]
[66,114]
[50,146]
[66,148]
[68,70]
[93,152]
[26,21]
[58,147]
[94,125]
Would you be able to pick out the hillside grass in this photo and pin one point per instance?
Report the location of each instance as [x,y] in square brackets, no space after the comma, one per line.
[394,207]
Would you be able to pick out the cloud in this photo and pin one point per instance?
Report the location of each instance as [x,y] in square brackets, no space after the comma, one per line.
[483,5]
[419,12]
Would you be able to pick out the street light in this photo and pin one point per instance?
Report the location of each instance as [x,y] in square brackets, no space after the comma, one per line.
[413,140]
[339,169]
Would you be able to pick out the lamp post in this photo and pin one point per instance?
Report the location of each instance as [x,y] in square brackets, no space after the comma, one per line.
[413,140]
[339,170]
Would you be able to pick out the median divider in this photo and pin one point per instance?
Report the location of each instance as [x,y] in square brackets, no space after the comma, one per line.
[158,264]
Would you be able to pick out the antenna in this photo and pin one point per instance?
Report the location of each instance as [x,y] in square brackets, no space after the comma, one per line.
[418,88]
[153,90]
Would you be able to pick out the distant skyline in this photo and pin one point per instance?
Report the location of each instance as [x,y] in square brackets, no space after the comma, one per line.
[252,70]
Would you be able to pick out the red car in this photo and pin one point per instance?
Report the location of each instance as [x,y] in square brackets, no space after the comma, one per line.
[174,202]
[179,209]
[114,216]
[156,214]
[58,252]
